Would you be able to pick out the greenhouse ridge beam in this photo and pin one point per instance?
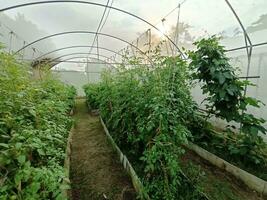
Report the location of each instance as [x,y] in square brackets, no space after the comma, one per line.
[96,4]
[84,32]
[76,46]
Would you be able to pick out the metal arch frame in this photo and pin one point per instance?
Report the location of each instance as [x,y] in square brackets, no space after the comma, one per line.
[114,63]
[247,38]
[249,47]
[239,21]
[84,32]
[77,46]
[84,57]
[95,4]
[81,57]
[78,53]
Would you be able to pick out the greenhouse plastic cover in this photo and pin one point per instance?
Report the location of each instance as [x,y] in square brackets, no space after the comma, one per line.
[192,19]
[102,31]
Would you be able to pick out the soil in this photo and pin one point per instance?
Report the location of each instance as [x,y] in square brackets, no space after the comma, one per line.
[95,171]
[217,183]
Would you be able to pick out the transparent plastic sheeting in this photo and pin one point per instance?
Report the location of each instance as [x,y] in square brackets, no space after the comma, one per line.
[188,21]
[183,21]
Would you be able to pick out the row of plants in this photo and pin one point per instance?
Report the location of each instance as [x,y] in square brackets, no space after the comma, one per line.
[146,111]
[34,126]
[240,142]
[151,115]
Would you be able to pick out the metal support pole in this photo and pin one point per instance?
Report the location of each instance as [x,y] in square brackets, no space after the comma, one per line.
[33,52]
[23,52]
[149,41]
[176,36]
[10,41]
[87,72]
[97,49]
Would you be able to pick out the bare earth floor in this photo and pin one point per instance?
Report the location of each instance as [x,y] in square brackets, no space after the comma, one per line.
[95,172]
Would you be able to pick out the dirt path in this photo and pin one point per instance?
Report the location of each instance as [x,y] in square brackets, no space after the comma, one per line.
[95,172]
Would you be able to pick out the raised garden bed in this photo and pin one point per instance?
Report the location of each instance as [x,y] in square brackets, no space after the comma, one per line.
[250,180]
[67,162]
[130,170]
[126,165]
[66,192]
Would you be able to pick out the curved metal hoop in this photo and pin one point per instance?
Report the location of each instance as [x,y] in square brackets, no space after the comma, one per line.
[95,4]
[78,46]
[85,32]
[85,57]
[80,57]
[82,53]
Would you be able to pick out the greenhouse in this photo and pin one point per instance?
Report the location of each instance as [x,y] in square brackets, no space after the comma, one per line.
[124,100]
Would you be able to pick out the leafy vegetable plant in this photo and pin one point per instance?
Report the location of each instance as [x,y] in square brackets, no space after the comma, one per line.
[34,125]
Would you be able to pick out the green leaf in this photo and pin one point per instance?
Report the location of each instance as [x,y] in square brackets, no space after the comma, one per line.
[18,178]
[41,152]
[222,94]
[21,159]
[35,187]
[230,91]
[228,75]
[4,145]
[252,101]
[18,145]
[221,78]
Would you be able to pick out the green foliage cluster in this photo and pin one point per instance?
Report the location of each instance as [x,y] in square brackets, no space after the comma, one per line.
[146,110]
[92,92]
[34,126]
[231,146]
[224,89]
[150,113]
[227,100]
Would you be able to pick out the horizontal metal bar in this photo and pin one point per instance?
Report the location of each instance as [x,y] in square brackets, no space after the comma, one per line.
[90,62]
[248,77]
[244,47]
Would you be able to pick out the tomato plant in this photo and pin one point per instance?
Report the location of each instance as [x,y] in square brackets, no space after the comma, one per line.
[146,110]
